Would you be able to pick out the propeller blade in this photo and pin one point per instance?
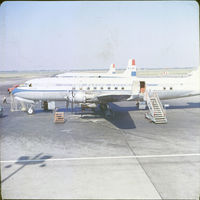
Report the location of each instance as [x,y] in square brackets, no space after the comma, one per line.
[67,104]
[72,103]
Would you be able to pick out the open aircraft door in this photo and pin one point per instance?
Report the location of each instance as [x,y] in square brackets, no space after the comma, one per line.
[142,86]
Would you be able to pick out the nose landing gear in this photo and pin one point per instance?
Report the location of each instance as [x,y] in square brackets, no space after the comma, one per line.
[30,111]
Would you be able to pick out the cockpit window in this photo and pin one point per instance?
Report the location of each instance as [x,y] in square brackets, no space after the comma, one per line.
[23,85]
[26,85]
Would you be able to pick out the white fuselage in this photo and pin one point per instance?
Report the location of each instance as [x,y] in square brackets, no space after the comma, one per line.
[60,88]
[168,88]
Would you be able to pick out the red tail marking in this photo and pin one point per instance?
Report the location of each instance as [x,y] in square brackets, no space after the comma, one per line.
[133,61]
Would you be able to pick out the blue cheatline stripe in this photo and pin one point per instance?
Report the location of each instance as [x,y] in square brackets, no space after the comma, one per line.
[17,90]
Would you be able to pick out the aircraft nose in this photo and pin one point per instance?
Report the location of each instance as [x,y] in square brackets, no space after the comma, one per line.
[15,91]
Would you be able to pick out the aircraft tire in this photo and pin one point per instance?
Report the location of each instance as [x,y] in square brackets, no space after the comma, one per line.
[30,111]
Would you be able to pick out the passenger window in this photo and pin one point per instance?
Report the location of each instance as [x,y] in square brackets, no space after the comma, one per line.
[122,88]
[30,85]
[95,88]
[164,88]
[170,88]
[116,88]
[108,88]
[101,88]
[88,88]
[73,88]
[80,88]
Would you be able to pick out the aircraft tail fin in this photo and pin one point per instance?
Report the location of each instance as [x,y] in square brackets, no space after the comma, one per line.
[194,76]
[131,68]
[195,73]
[112,69]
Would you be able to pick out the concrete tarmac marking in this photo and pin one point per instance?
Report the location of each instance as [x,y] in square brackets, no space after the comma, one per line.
[101,158]
[66,130]
[85,179]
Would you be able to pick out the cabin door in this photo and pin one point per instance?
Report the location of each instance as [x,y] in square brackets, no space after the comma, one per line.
[142,86]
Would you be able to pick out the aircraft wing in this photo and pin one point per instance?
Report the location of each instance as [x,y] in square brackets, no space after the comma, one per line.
[105,98]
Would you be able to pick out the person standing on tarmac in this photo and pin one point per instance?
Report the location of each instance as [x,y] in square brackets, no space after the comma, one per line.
[5,100]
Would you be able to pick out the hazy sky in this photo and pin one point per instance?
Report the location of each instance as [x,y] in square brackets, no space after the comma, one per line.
[78,35]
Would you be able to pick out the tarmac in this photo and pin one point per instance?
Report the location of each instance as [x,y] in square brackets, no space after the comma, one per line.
[93,157]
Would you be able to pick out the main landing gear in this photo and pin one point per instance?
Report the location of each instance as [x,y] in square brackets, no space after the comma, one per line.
[105,108]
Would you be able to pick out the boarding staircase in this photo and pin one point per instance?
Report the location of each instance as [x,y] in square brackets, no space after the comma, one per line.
[157,113]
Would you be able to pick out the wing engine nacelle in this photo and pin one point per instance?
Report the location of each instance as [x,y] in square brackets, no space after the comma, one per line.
[88,105]
[78,97]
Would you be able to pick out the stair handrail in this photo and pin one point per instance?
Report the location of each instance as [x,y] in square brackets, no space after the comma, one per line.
[149,104]
[159,103]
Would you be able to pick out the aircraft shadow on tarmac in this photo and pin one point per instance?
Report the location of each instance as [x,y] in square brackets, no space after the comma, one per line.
[122,120]
[3,116]
[119,117]
[120,109]
[25,161]
[42,111]
[188,106]
[134,108]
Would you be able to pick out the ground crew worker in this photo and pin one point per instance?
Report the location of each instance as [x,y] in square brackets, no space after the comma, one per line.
[4,100]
